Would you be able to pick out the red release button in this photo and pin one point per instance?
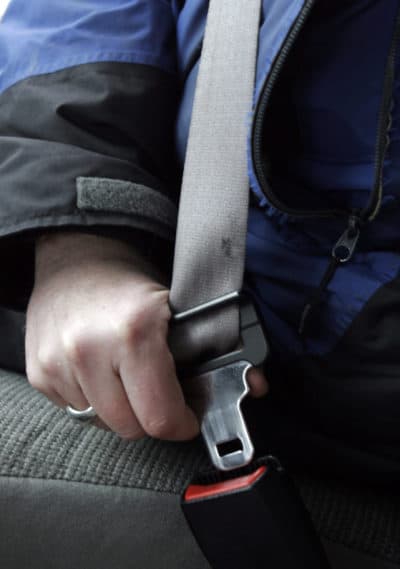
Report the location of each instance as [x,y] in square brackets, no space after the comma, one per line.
[198,492]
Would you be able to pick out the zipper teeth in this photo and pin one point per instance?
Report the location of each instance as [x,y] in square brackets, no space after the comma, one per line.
[384,128]
[260,111]
[370,214]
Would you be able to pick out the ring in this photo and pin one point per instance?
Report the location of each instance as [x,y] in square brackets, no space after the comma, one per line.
[85,416]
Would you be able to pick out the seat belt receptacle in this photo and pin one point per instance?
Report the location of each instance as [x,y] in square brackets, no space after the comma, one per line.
[252,519]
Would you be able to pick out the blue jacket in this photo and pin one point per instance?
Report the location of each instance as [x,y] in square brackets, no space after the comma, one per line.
[95,104]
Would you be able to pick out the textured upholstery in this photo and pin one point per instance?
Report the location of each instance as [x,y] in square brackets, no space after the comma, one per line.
[55,475]
[38,440]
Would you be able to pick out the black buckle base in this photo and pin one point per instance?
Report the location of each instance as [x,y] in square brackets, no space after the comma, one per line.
[252,520]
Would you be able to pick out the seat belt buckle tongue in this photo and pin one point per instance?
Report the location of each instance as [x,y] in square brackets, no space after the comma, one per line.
[219,394]
[216,388]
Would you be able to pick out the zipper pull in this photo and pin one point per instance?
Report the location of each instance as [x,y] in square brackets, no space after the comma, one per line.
[341,253]
[345,247]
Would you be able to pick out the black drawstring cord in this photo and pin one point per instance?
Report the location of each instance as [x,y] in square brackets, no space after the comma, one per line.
[315,297]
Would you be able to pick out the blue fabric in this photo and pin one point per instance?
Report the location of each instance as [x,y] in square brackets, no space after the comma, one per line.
[336,91]
[336,88]
[337,98]
[285,265]
[41,37]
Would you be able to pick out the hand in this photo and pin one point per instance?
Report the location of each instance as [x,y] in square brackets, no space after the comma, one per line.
[97,326]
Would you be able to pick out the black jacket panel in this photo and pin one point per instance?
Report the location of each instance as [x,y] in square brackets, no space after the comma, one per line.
[109,126]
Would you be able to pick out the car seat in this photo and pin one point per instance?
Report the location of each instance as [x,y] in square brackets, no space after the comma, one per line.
[76,497]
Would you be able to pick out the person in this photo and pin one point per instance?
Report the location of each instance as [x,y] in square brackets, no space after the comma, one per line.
[94,117]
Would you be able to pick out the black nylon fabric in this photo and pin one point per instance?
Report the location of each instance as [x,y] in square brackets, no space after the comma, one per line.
[90,120]
[353,393]
[105,108]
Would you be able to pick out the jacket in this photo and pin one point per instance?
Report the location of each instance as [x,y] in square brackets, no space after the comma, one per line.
[95,105]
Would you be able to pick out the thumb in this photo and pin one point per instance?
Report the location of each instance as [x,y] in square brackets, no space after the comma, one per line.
[257,382]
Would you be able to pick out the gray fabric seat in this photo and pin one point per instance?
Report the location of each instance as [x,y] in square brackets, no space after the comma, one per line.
[76,497]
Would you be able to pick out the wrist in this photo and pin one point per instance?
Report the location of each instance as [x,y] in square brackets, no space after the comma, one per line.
[56,251]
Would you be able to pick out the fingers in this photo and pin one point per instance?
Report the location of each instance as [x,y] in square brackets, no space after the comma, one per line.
[146,399]
[48,372]
[257,382]
[149,377]
[101,386]
[97,325]
[60,371]
[142,397]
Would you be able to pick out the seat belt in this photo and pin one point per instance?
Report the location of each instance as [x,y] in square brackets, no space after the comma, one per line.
[245,513]
[213,210]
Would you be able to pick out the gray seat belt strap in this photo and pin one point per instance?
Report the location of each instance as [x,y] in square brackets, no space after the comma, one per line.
[258,519]
[213,211]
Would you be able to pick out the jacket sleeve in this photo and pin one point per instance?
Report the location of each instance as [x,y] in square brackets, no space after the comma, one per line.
[88,96]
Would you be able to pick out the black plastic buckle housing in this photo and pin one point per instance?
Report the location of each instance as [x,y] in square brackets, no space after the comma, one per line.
[252,519]
[253,346]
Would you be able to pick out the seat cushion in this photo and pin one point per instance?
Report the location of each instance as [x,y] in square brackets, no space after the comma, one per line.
[75,497]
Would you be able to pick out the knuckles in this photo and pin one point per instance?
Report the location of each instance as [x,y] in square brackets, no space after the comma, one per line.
[37,382]
[37,379]
[140,320]
[80,346]
[42,370]
[131,330]
[77,348]
[48,363]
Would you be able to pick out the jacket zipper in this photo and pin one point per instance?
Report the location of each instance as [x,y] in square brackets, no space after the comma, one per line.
[344,248]
[369,212]
[260,114]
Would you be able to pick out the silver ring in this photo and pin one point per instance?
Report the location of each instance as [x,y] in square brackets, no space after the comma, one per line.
[85,416]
